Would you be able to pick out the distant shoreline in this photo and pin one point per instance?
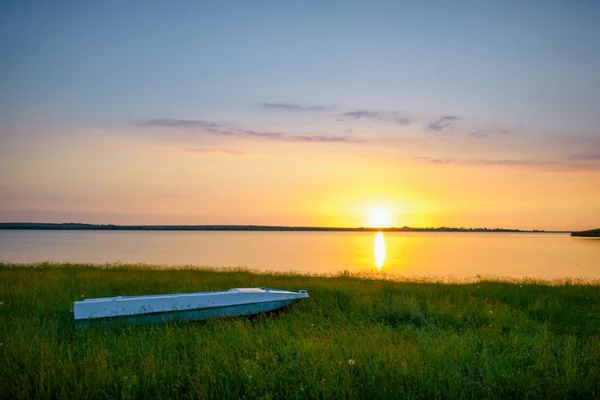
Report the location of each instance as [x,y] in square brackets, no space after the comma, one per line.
[81,226]
[590,233]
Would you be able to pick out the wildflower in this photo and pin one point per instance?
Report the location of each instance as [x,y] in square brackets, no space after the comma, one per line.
[351,362]
[312,324]
[491,312]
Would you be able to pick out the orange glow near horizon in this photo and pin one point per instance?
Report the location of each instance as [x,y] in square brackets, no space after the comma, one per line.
[334,190]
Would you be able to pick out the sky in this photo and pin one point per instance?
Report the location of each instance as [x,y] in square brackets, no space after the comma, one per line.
[314,113]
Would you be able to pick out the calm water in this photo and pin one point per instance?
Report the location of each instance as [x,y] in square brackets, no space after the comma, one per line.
[409,254]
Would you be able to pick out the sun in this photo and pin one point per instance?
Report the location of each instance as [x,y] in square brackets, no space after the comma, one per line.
[379,218]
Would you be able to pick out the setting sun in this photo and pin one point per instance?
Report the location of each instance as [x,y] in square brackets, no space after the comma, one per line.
[379,218]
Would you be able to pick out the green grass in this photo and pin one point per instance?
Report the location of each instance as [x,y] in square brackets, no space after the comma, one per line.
[354,338]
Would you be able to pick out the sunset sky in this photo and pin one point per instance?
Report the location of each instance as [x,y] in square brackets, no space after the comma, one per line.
[436,113]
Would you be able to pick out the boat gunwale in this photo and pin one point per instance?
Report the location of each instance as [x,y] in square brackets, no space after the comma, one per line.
[231,291]
[300,296]
[124,316]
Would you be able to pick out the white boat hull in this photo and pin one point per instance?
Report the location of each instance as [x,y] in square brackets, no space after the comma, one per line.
[188,306]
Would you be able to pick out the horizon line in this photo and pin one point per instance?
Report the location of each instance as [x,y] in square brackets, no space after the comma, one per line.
[232,227]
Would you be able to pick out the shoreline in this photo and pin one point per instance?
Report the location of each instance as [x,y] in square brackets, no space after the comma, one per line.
[345,274]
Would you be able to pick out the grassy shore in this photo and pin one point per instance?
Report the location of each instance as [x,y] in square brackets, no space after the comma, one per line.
[354,338]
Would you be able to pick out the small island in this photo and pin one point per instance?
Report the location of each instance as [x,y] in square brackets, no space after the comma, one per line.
[589,233]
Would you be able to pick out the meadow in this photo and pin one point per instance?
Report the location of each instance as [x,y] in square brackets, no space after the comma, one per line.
[356,337]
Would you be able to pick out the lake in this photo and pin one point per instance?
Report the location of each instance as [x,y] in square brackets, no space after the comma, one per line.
[423,254]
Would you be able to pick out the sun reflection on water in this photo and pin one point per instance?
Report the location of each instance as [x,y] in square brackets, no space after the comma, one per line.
[379,250]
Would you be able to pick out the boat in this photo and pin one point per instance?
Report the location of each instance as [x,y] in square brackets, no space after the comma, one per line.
[185,306]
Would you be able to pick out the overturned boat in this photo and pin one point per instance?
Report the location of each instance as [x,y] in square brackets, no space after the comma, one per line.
[186,306]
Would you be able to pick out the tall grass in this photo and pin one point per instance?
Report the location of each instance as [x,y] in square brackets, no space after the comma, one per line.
[354,338]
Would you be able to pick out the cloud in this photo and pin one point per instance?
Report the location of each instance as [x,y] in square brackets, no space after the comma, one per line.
[291,107]
[434,160]
[479,134]
[215,151]
[360,114]
[490,131]
[549,165]
[544,164]
[212,128]
[585,157]
[514,162]
[280,136]
[324,139]
[179,123]
[376,115]
[268,135]
[389,116]
[442,124]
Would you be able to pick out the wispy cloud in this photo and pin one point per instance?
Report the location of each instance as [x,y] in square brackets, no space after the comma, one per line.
[479,134]
[516,162]
[550,165]
[543,164]
[431,160]
[364,114]
[214,129]
[267,135]
[324,139]
[228,152]
[383,116]
[489,132]
[442,124]
[291,107]
[280,136]
[403,120]
[461,125]
[585,156]
[179,123]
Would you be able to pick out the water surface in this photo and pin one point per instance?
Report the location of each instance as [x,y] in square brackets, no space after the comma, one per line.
[461,255]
